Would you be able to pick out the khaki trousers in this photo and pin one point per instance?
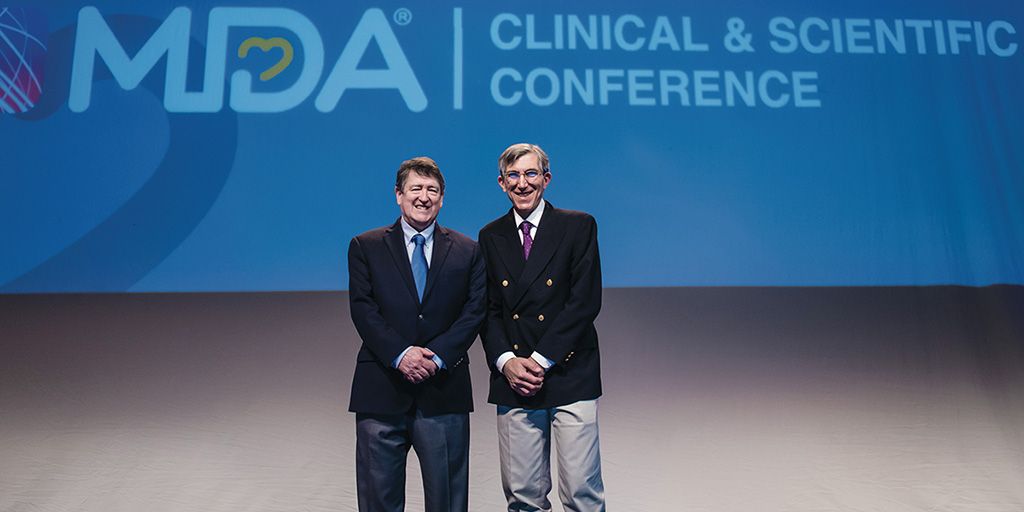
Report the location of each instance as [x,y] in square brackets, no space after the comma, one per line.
[524,448]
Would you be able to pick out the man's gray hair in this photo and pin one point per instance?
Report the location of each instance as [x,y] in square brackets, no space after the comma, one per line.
[517,151]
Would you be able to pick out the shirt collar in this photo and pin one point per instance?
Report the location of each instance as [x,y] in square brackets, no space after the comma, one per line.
[533,219]
[408,232]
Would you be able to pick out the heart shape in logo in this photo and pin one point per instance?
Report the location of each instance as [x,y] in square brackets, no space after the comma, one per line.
[266,45]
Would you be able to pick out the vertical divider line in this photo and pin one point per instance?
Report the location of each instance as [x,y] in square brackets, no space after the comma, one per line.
[457,58]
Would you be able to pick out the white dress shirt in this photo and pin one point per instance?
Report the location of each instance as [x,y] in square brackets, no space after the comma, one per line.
[533,219]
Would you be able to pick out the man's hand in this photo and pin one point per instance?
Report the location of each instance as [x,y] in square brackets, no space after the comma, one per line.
[524,374]
[416,365]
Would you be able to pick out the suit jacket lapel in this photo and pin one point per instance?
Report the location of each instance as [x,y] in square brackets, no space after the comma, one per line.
[438,255]
[510,249]
[395,242]
[545,244]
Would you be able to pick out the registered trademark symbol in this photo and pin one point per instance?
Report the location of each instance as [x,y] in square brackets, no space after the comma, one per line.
[403,16]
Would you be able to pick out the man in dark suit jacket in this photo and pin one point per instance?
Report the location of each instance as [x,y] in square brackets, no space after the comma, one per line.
[543,295]
[416,292]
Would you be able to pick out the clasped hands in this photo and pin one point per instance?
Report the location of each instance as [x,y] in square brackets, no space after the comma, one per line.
[525,375]
[417,365]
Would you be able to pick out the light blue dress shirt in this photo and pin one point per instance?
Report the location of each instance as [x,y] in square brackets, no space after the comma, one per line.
[428,247]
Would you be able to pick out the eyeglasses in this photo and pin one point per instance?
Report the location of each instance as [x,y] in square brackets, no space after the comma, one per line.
[531,174]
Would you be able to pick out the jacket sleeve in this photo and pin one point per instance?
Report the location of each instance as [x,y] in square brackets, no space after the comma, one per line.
[451,346]
[584,303]
[383,341]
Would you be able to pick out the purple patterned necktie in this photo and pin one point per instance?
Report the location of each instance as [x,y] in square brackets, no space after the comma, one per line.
[527,241]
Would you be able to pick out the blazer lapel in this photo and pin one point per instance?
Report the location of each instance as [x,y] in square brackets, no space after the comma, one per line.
[438,255]
[395,242]
[545,244]
[510,249]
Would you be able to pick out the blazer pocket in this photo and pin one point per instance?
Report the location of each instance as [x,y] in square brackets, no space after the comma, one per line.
[365,356]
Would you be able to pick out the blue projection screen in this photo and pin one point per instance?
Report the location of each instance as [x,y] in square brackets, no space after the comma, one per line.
[235,146]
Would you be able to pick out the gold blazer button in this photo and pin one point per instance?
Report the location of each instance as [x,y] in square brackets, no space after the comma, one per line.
[515,316]
[515,347]
[550,282]
[504,282]
[540,317]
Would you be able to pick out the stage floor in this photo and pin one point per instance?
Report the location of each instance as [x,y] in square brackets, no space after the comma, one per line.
[716,399]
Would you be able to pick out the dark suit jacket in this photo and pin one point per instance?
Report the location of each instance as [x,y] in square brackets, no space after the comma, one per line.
[390,317]
[547,303]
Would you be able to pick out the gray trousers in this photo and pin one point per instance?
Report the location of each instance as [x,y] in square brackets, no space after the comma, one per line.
[382,446]
[524,447]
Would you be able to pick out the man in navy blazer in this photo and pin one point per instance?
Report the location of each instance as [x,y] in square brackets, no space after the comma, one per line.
[416,292]
[543,295]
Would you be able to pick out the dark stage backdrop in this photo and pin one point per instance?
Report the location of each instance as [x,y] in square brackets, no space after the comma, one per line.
[811,221]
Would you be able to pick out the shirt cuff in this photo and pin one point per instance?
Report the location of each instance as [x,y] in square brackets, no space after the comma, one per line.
[394,364]
[542,361]
[502,359]
[437,360]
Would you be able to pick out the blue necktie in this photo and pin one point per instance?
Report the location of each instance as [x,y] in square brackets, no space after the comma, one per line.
[419,264]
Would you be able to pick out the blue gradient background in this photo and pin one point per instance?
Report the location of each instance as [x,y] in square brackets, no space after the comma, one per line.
[910,173]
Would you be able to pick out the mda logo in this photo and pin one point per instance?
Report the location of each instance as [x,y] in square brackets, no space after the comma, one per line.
[23,34]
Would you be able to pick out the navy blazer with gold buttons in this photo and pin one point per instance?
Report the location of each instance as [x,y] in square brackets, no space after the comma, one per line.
[547,303]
